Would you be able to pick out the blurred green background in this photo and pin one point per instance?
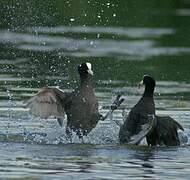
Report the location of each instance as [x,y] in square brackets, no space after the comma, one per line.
[22,23]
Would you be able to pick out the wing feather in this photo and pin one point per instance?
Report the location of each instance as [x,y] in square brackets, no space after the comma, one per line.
[47,102]
[144,130]
[136,127]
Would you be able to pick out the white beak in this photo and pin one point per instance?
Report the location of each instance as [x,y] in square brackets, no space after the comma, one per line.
[140,84]
[90,72]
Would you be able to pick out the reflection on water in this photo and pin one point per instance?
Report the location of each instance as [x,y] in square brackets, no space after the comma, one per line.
[136,48]
[112,162]
[42,43]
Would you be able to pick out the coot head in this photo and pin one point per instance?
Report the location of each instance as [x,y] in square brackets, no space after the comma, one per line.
[149,83]
[85,69]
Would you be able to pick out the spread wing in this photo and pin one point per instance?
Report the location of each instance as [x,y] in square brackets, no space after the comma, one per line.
[136,127]
[144,130]
[48,102]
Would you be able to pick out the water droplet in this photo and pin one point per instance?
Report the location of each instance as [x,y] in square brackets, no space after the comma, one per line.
[72,19]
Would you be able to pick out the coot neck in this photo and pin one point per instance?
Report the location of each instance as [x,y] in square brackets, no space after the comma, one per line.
[86,81]
[149,91]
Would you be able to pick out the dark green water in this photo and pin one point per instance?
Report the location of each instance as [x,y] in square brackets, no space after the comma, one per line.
[42,42]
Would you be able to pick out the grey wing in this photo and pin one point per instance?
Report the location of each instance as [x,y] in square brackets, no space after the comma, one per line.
[48,102]
[144,129]
[136,127]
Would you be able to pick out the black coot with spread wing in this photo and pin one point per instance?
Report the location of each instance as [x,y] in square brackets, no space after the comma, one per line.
[80,106]
[142,122]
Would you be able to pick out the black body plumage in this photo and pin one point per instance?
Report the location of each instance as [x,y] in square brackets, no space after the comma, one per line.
[138,124]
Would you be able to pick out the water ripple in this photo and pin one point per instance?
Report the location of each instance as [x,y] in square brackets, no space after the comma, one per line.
[131,32]
[142,48]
